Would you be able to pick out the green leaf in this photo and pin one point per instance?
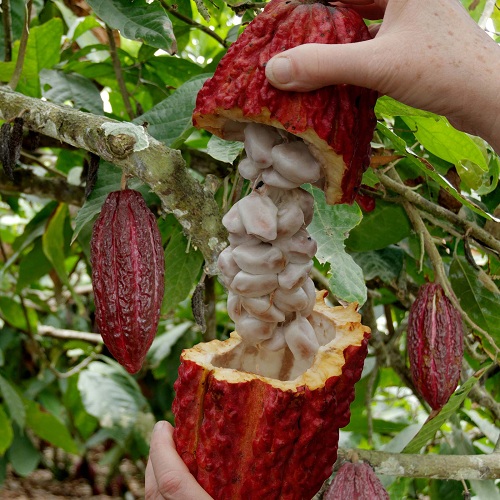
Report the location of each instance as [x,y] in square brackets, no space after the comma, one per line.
[441,139]
[137,20]
[390,107]
[16,316]
[22,454]
[33,266]
[170,120]
[42,52]
[6,432]
[386,263]
[162,344]
[330,227]
[13,402]
[182,267]
[428,170]
[49,428]
[429,429]
[385,225]
[60,88]
[482,304]
[226,151]
[111,395]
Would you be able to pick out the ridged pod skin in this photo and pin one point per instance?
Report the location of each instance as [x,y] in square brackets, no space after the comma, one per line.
[127,276]
[251,425]
[337,122]
[435,343]
[356,481]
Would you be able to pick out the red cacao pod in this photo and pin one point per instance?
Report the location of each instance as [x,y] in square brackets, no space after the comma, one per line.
[253,424]
[435,345]
[127,276]
[336,122]
[356,481]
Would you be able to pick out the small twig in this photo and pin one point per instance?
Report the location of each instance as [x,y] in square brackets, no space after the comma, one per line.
[76,369]
[368,401]
[497,446]
[65,334]
[7,30]
[118,73]
[195,24]
[22,47]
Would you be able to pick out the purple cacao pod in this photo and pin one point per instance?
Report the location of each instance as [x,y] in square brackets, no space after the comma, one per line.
[356,481]
[435,344]
[127,276]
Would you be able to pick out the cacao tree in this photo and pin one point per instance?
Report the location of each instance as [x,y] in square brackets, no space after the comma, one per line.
[98,95]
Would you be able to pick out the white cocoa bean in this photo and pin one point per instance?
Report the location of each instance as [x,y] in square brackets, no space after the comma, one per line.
[276,342]
[294,162]
[236,240]
[234,309]
[232,221]
[259,142]
[294,276]
[306,203]
[254,285]
[272,178]
[259,215]
[227,265]
[259,259]
[300,248]
[253,330]
[310,290]
[249,169]
[290,219]
[291,302]
[262,308]
[301,338]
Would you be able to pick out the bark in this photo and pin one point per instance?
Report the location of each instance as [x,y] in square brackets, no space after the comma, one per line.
[138,154]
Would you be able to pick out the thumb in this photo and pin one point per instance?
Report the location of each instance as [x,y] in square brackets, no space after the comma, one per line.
[314,65]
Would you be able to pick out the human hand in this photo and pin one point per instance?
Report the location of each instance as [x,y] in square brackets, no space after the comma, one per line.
[428,54]
[167,476]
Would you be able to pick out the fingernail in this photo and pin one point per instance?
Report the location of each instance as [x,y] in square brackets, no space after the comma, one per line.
[158,426]
[279,70]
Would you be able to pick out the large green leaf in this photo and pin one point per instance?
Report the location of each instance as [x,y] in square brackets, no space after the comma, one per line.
[33,266]
[226,151]
[17,316]
[6,431]
[111,395]
[429,429]
[162,344]
[386,263]
[182,267]
[428,170]
[60,88]
[170,120]
[22,454]
[137,20]
[42,52]
[13,402]
[481,303]
[384,226]
[49,428]
[330,227]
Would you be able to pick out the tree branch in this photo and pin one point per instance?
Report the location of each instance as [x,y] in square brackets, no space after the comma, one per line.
[14,80]
[7,30]
[59,333]
[129,147]
[455,467]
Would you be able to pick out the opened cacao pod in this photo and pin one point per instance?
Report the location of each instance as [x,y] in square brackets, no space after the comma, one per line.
[435,345]
[255,424]
[356,481]
[336,122]
[127,276]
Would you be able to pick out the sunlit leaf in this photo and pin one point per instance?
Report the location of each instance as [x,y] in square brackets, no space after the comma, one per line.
[6,431]
[13,402]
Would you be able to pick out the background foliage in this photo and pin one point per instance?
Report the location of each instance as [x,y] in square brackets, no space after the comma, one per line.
[144,62]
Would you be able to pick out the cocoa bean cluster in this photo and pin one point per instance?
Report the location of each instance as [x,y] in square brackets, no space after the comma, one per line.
[266,267]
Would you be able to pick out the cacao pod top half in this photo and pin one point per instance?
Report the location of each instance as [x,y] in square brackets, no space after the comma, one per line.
[435,345]
[127,276]
[336,122]
[254,424]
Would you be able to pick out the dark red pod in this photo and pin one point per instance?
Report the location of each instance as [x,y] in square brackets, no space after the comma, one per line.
[127,276]
[356,481]
[435,345]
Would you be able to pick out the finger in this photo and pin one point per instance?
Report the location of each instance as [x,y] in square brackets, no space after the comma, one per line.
[311,66]
[171,474]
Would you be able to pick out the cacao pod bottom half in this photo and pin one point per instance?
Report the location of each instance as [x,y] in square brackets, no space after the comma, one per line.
[435,345]
[127,276]
[256,424]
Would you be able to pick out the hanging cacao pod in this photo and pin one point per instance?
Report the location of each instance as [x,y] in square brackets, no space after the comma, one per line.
[336,122]
[253,423]
[435,343]
[356,481]
[127,276]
